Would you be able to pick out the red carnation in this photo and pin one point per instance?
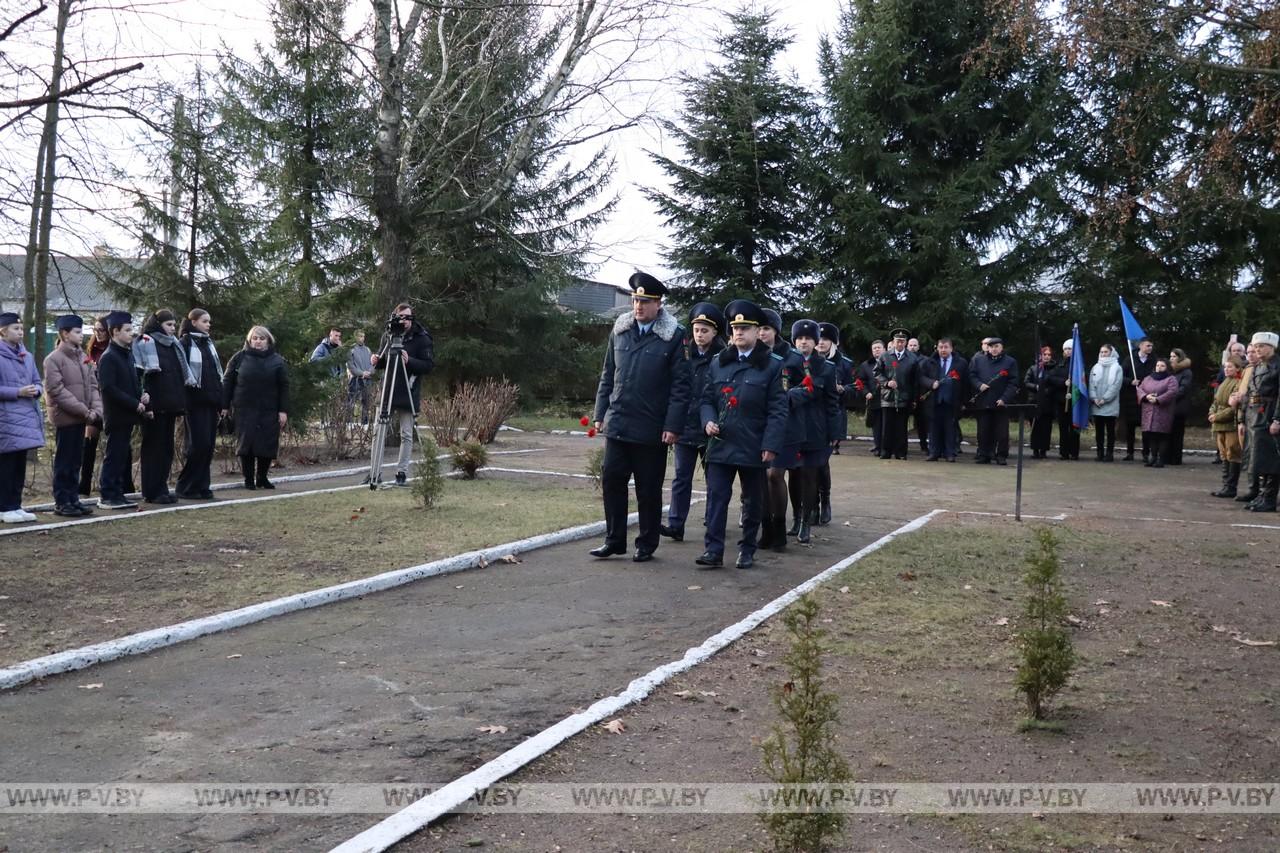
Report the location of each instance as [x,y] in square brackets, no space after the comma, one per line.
[857,383]
[733,402]
[955,374]
[808,382]
[1004,373]
[591,433]
[584,420]
[895,365]
[726,390]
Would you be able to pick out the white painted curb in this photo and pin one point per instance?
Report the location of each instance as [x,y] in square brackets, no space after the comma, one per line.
[409,820]
[157,638]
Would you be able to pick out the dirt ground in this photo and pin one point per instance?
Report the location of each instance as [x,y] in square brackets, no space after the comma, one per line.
[922,666]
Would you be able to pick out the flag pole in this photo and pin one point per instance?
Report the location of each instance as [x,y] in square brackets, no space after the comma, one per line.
[1133,364]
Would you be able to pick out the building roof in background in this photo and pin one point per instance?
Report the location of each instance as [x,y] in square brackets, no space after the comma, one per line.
[75,283]
[594,297]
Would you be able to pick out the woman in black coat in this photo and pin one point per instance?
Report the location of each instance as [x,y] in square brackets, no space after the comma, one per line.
[165,376]
[1044,394]
[204,401]
[256,389]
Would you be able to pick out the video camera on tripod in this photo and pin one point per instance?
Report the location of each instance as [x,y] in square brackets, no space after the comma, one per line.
[392,354]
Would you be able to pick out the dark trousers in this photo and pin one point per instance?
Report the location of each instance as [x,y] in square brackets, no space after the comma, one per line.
[1105,431]
[1068,437]
[720,493]
[1173,441]
[66,464]
[993,433]
[687,457]
[922,418]
[1132,426]
[157,454]
[88,458]
[824,481]
[117,460]
[943,432]
[647,463]
[1155,444]
[202,438]
[877,430]
[13,477]
[893,437]
[1041,433]
[358,391]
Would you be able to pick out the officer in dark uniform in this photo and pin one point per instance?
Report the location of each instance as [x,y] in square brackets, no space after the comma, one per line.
[706,323]
[815,402]
[744,411]
[829,347]
[993,377]
[774,535]
[641,405]
[898,373]
[1263,421]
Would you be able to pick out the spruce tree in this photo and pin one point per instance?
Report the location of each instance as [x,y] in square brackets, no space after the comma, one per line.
[941,161]
[739,199]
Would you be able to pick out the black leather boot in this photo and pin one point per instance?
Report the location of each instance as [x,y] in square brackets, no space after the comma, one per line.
[1266,501]
[766,532]
[824,512]
[795,524]
[246,468]
[1230,476]
[802,535]
[1251,495]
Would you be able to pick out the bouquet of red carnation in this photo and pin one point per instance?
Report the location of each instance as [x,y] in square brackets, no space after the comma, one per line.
[1004,373]
[808,383]
[729,401]
[858,384]
[954,374]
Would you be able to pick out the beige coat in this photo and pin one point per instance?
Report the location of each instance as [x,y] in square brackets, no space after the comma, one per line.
[71,387]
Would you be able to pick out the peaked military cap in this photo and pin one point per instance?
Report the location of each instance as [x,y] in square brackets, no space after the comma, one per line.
[900,333]
[705,312]
[741,312]
[645,286]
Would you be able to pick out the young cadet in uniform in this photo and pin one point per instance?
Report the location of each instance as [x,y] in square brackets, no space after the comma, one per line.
[744,411]
[640,407]
[815,403]
[829,348]
[704,343]
[124,406]
[71,386]
[774,535]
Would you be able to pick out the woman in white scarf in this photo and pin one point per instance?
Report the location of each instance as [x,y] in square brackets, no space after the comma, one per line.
[1105,381]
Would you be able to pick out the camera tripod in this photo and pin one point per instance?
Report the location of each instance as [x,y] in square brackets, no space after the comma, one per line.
[391,353]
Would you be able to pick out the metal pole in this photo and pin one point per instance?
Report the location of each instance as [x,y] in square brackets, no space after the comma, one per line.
[1017,493]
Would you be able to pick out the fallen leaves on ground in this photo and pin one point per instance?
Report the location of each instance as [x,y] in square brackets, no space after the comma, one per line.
[1002,621]
[614,726]
[693,588]
[1247,642]
[1158,603]
[906,576]
[234,657]
[509,559]
[97,686]
[493,730]
[683,694]
[843,589]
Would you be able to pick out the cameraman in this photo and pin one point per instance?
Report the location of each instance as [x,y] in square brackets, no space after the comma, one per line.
[419,358]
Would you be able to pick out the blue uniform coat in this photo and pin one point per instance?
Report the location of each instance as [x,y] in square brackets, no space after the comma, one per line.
[752,412]
[644,384]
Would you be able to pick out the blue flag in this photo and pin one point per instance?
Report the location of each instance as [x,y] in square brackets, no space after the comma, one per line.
[1132,330]
[1079,382]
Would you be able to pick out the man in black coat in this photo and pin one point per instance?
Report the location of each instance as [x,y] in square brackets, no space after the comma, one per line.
[815,403]
[994,379]
[124,405]
[866,385]
[950,390]
[418,359]
[777,486]
[922,408]
[898,374]
[744,412]
[641,405]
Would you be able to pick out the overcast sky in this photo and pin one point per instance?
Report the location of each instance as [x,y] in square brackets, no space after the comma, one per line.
[632,239]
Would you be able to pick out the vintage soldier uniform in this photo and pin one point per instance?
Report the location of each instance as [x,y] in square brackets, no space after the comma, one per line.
[845,378]
[744,398]
[641,406]
[693,440]
[903,369]
[1260,414]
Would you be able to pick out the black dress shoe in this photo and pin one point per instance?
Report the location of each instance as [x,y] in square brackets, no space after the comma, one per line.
[803,535]
[1002,461]
[162,499]
[710,560]
[673,533]
[642,556]
[744,561]
[607,550]
[68,511]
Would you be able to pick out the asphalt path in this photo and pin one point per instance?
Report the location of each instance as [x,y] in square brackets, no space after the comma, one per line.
[388,688]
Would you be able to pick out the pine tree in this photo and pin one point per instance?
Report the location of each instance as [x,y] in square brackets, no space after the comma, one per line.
[1047,654]
[941,160]
[738,203]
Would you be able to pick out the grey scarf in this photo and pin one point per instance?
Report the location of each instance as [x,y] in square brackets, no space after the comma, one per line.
[195,358]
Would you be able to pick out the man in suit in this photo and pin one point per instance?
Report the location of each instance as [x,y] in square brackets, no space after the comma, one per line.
[124,406]
[994,378]
[898,374]
[950,390]
[641,405]
[865,383]
[744,413]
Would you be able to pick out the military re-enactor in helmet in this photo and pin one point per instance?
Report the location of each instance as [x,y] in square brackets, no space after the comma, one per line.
[744,414]
[641,406]
[706,325]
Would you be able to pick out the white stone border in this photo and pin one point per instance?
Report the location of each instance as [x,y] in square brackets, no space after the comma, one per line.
[156,638]
[409,820]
